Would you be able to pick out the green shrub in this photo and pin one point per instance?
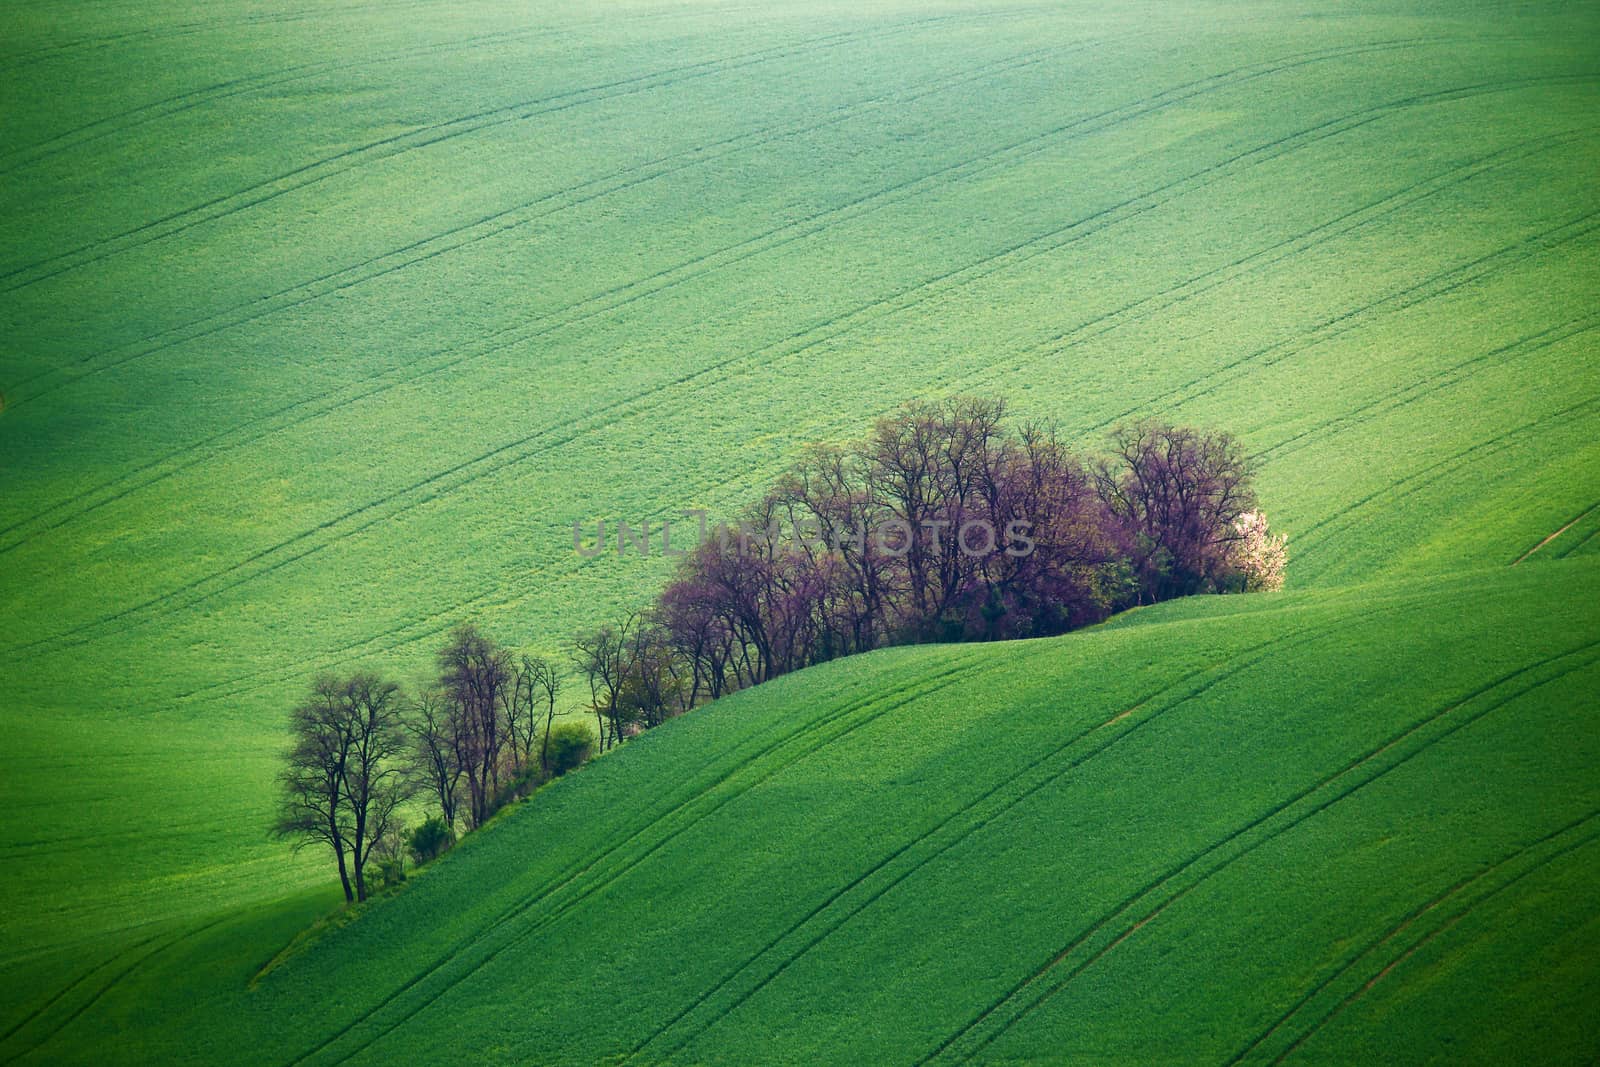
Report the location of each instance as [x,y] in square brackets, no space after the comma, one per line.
[391,870]
[430,840]
[519,786]
[571,745]
[388,859]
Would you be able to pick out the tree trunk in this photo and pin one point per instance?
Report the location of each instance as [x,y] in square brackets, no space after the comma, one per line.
[344,873]
[544,749]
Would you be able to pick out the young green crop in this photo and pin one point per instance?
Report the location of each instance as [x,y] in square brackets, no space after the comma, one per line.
[1232,826]
[321,327]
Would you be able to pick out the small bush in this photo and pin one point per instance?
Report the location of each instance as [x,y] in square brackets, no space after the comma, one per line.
[389,855]
[392,870]
[519,786]
[571,745]
[430,840]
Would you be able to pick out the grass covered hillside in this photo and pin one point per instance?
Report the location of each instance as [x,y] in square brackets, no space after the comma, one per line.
[1340,825]
[321,323]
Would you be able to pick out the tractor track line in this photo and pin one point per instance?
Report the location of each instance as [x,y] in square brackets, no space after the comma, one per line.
[385,148]
[963,668]
[699,260]
[107,125]
[1220,671]
[602,413]
[163,466]
[1577,519]
[972,165]
[1436,285]
[436,621]
[183,29]
[1441,379]
[108,986]
[312,290]
[1432,473]
[1574,549]
[69,987]
[1408,921]
[1355,765]
[1362,990]
[1315,237]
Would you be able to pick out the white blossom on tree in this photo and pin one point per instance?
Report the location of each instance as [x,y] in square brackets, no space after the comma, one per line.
[1258,554]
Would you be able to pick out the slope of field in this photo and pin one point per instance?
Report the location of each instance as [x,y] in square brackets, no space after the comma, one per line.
[320,324]
[1348,826]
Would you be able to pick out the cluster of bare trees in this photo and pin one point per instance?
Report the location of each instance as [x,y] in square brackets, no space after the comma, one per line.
[474,735]
[481,723]
[944,524]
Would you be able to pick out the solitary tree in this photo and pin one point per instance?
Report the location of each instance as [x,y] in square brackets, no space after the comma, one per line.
[345,776]
[313,807]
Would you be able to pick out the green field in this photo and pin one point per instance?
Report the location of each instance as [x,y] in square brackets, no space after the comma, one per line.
[1216,830]
[320,325]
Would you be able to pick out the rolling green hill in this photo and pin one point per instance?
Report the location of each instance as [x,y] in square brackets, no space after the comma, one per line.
[321,324]
[1349,825]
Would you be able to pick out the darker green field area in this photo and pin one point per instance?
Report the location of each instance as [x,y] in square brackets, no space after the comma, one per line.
[1336,824]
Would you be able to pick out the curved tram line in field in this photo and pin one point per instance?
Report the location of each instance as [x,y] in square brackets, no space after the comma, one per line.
[423,136]
[1542,855]
[653,834]
[1235,665]
[102,989]
[959,675]
[166,107]
[184,29]
[492,461]
[958,1046]
[990,805]
[966,168]
[606,301]
[497,224]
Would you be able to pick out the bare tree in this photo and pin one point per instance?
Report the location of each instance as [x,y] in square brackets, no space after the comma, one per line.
[549,680]
[654,689]
[830,488]
[926,467]
[375,780]
[345,777]
[692,613]
[535,683]
[521,718]
[313,809]
[475,676]
[1072,572]
[438,748]
[602,658]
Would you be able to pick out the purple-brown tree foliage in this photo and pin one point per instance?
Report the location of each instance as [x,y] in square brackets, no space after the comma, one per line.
[1178,494]
[943,523]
